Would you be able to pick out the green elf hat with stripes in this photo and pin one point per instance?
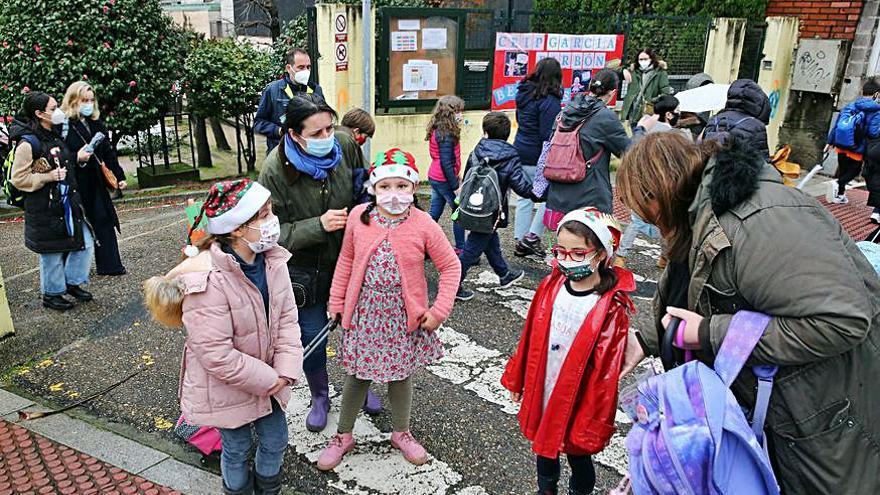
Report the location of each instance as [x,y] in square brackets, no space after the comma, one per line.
[229,205]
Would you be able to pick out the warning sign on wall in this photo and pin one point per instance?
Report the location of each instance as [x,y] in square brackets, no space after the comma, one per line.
[340,49]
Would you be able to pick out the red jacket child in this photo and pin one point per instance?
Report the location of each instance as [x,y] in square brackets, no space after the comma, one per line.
[579,419]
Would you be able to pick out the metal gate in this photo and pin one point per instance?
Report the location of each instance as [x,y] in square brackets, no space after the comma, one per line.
[752,51]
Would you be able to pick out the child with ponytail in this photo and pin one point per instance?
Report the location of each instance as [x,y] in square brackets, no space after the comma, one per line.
[388,332]
[243,352]
[565,370]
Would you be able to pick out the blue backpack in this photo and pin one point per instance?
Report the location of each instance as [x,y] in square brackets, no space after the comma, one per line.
[690,436]
[849,131]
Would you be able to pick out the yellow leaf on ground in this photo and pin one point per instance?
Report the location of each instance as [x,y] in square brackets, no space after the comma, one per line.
[162,423]
[331,352]
[45,363]
[57,387]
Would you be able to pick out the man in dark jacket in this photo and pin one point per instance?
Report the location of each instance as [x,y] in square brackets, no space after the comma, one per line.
[506,161]
[297,79]
[745,116]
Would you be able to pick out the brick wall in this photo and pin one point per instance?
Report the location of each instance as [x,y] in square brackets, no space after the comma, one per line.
[820,19]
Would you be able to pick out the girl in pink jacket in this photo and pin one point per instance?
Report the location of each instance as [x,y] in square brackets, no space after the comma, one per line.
[243,350]
[380,294]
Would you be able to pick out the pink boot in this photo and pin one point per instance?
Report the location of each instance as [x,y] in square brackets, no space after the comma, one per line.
[411,449]
[340,444]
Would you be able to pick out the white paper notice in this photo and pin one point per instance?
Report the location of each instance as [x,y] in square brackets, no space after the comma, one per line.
[420,75]
[409,24]
[404,41]
[434,39]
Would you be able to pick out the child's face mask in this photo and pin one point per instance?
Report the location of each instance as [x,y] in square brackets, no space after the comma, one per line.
[393,202]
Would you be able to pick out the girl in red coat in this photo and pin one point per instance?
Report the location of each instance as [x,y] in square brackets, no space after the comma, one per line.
[568,361]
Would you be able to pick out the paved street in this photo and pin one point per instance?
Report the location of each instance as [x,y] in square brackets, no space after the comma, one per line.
[460,412]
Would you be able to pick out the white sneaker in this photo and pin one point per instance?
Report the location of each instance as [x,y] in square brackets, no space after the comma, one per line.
[875,217]
[840,200]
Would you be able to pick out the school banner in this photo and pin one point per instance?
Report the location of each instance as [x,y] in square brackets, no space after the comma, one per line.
[581,56]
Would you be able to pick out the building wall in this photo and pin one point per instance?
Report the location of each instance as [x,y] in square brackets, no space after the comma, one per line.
[820,19]
[858,66]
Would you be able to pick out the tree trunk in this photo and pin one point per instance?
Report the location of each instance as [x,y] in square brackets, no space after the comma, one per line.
[203,150]
[219,135]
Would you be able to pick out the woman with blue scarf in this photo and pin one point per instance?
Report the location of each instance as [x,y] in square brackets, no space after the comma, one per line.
[310,176]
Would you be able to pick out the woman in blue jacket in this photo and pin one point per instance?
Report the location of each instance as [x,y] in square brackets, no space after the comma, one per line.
[538,102]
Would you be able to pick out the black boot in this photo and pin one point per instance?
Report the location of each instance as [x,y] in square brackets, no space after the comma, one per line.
[57,303]
[247,490]
[267,486]
[547,485]
[79,293]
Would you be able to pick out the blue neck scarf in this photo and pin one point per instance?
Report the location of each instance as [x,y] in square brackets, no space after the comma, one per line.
[317,167]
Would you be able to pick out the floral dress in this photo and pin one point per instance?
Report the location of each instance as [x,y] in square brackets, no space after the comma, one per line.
[378,346]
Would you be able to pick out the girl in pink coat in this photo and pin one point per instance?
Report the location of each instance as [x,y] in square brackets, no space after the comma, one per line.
[243,350]
[380,294]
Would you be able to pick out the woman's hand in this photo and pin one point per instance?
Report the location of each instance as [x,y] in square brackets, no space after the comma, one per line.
[428,322]
[122,185]
[648,121]
[515,397]
[627,76]
[82,155]
[691,322]
[280,383]
[633,355]
[58,174]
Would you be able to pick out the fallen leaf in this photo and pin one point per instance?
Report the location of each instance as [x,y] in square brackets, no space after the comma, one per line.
[57,387]
[162,423]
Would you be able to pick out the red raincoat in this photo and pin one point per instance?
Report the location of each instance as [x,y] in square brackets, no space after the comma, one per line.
[579,418]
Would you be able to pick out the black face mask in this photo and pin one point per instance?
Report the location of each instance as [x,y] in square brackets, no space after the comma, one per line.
[674,120]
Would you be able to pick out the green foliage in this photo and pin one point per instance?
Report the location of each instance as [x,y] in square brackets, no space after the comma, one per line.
[128,50]
[750,9]
[295,34]
[224,77]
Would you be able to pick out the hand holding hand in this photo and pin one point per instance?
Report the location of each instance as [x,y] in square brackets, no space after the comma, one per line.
[334,220]
[428,322]
[690,322]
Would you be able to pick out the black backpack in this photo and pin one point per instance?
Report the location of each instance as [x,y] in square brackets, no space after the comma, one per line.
[479,203]
[14,197]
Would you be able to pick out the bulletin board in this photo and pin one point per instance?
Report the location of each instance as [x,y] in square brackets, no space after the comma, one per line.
[422,61]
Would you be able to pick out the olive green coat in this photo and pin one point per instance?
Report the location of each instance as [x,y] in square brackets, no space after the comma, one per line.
[634,101]
[299,201]
[775,250]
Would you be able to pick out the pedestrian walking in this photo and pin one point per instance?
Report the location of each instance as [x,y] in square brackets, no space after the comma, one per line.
[297,79]
[538,102]
[647,80]
[739,239]
[380,295]
[565,369]
[310,175]
[242,351]
[444,133]
[81,107]
[55,226]
[856,129]
[745,116]
[504,159]
[600,135]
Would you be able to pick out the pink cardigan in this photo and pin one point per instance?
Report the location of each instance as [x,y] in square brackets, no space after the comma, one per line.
[410,241]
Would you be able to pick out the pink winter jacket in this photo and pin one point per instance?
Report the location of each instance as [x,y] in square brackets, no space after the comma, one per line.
[233,356]
[410,241]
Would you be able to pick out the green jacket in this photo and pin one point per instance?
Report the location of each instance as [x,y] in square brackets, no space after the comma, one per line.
[299,201]
[762,246]
[658,84]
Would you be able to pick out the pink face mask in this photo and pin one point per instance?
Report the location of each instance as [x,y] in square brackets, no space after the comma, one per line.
[394,203]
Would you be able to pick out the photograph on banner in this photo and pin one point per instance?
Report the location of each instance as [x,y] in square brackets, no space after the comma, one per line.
[581,56]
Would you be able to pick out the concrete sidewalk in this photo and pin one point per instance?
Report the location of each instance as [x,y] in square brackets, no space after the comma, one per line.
[124,464]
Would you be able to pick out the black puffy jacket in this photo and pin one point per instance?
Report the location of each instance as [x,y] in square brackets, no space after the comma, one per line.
[745,116]
[504,158]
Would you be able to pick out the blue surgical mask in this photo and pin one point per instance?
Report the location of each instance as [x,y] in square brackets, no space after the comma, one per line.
[320,147]
[87,109]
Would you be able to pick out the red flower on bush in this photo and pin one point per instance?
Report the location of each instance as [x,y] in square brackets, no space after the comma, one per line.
[106,9]
[5,44]
[69,42]
[132,84]
[107,45]
[25,89]
[37,48]
[85,77]
[137,101]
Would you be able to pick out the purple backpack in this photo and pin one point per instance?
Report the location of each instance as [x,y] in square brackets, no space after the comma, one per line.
[690,436]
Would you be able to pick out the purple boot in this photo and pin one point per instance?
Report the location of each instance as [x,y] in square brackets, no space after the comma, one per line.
[372,404]
[319,388]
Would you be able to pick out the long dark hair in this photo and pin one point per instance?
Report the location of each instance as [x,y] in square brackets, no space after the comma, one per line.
[33,102]
[303,106]
[607,275]
[547,79]
[655,59]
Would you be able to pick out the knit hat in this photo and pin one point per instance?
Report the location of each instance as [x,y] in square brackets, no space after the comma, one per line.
[606,228]
[229,204]
[394,163]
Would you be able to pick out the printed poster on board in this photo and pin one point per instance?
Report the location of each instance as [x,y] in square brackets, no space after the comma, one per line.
[581,56]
